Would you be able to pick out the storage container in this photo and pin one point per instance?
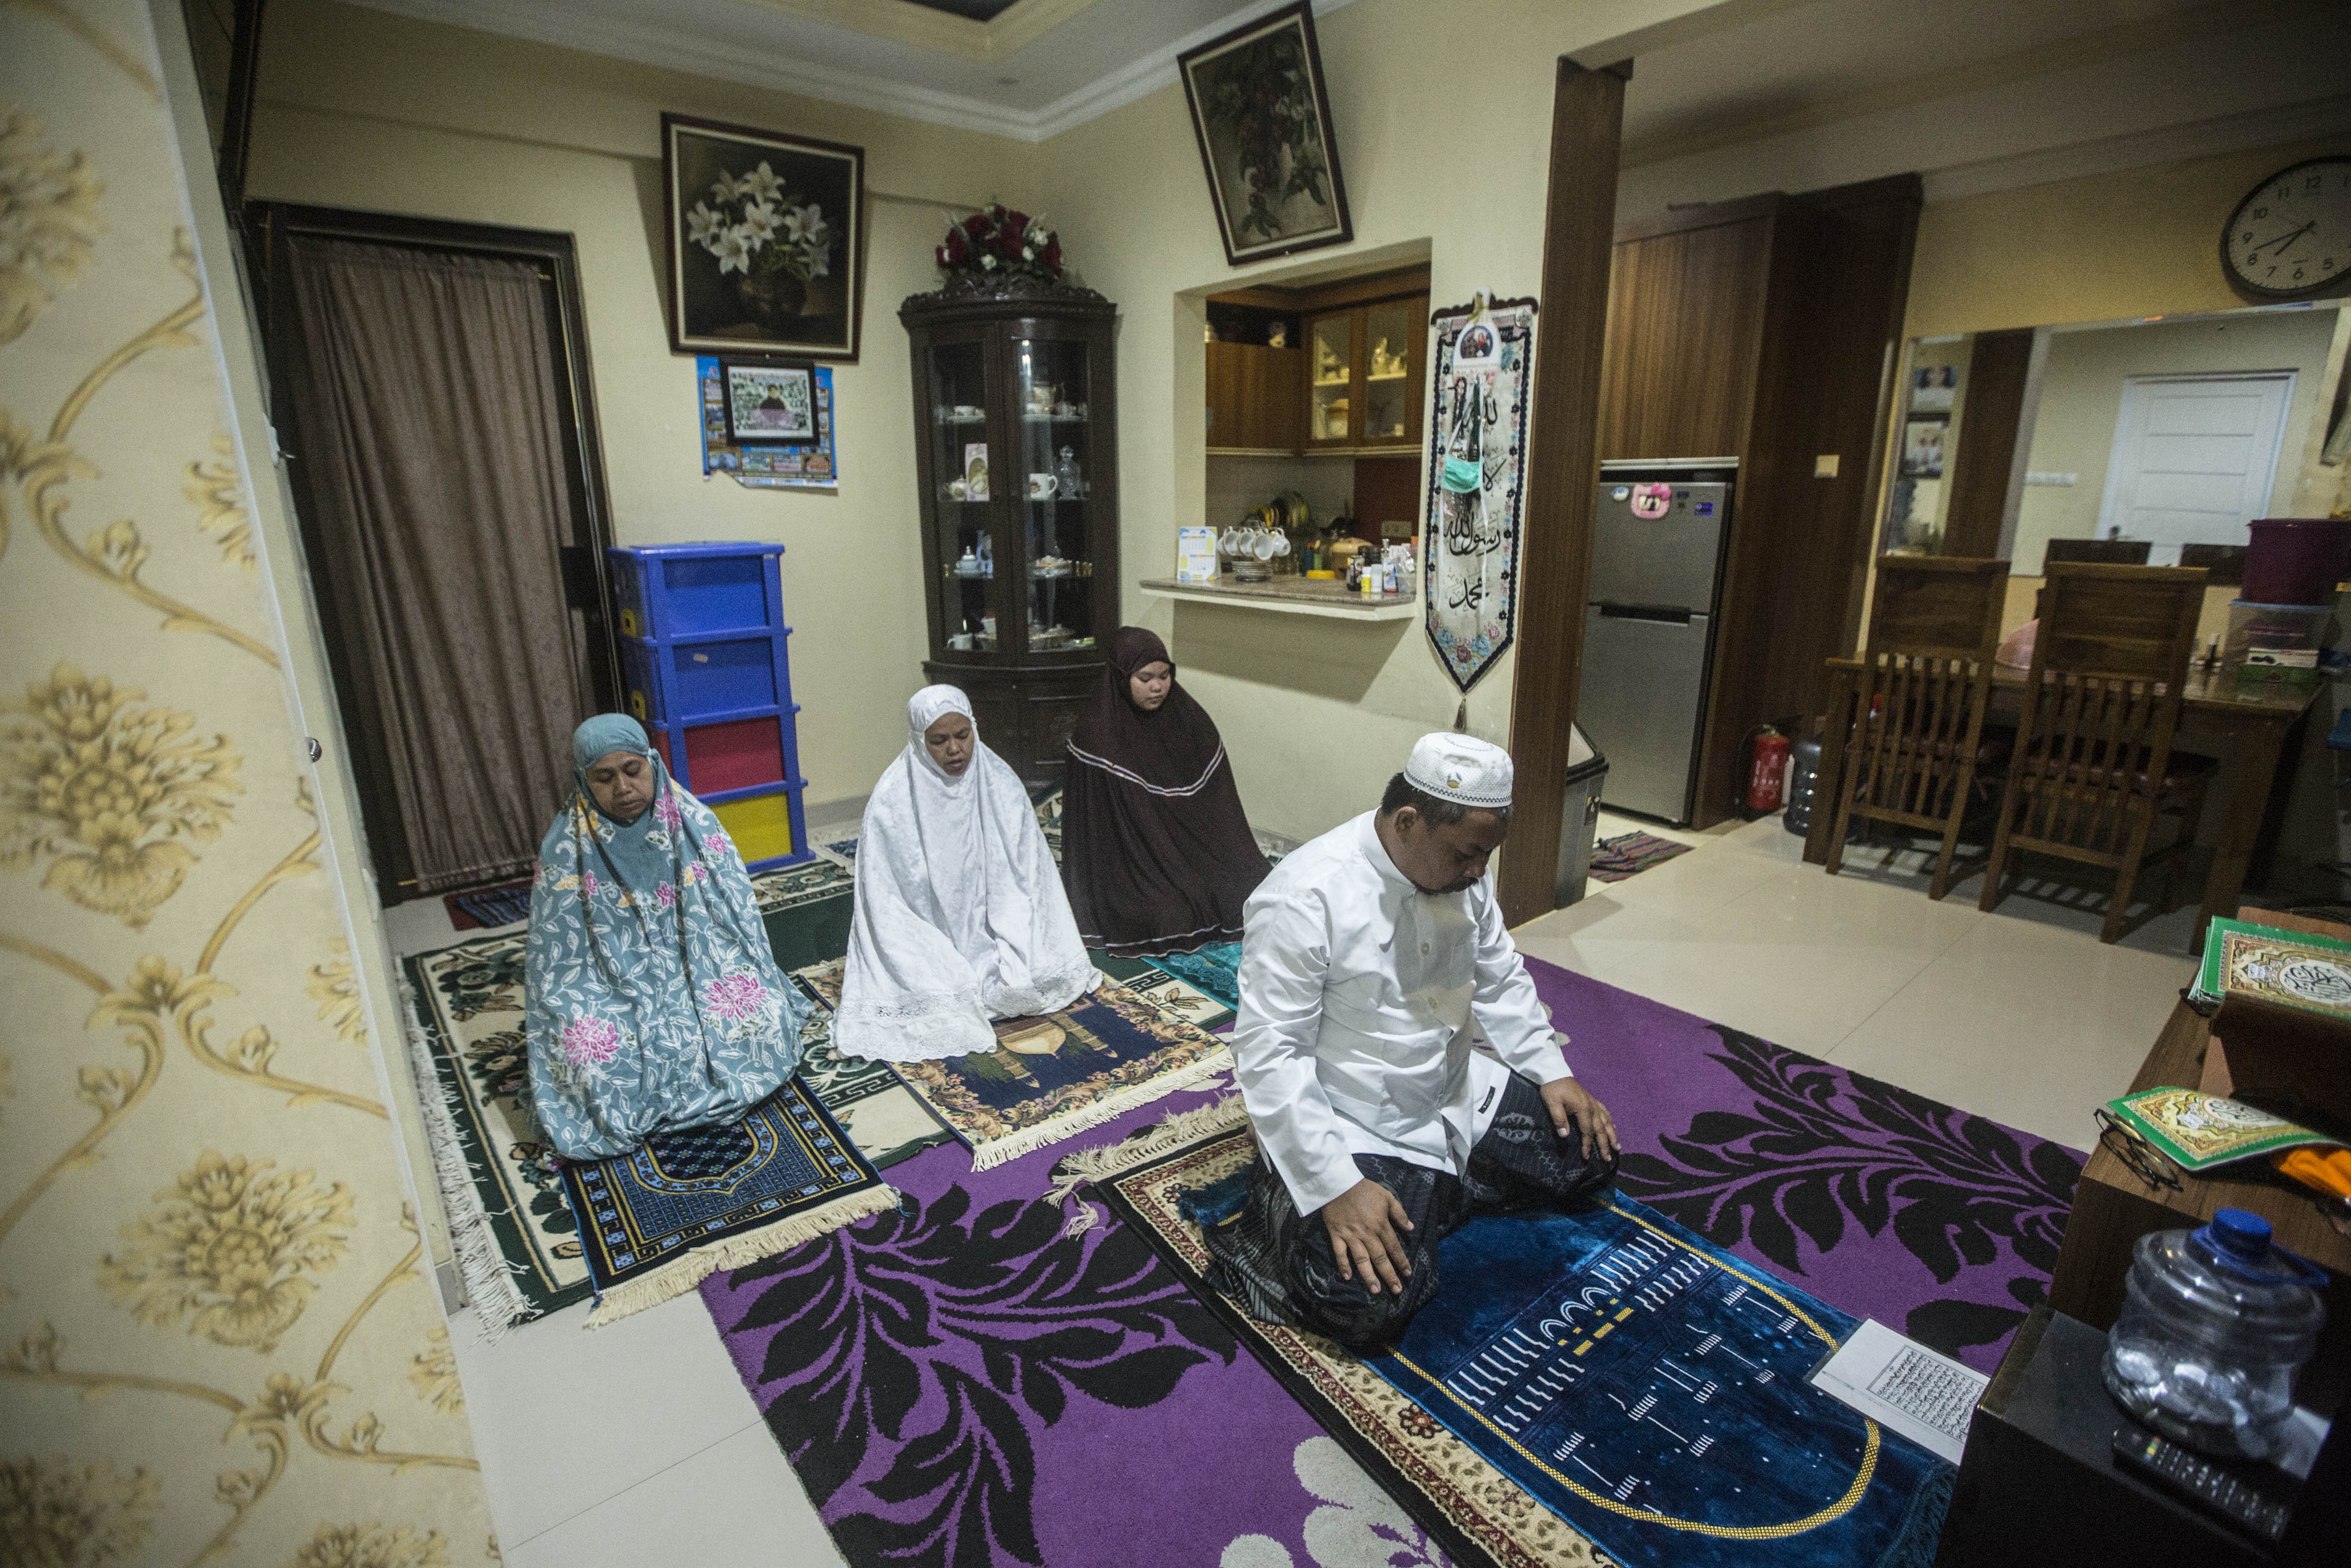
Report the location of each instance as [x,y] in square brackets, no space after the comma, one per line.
[2277,644]
[2296,560]
[2215,1323]
[1579,819]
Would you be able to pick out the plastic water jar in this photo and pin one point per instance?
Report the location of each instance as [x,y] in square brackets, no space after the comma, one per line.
[2216,1323]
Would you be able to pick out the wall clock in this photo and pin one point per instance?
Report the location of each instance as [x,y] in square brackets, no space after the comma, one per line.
[2291,238]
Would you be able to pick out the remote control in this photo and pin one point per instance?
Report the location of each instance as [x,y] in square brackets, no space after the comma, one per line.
[2177,1471]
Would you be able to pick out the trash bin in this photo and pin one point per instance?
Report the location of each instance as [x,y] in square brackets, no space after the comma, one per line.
[1579,818]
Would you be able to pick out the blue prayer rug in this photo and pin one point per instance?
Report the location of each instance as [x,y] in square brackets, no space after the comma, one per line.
[1597,1382]
[1652,1389]
[692,1201]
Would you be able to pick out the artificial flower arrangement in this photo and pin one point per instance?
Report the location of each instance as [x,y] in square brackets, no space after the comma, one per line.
[998,241]
[755,226]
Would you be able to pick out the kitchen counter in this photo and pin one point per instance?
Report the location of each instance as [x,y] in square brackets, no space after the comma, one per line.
[1291,595]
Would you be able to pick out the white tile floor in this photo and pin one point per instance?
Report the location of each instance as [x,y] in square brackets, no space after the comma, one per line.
[638,1443]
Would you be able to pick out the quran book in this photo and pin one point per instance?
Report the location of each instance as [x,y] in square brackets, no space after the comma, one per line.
[2290,967]
[2197,1131]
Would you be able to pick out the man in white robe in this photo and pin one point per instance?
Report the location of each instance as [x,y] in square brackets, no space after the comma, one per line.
[1374,957]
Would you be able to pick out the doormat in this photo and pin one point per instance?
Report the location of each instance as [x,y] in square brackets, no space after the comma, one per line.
[1053,1077]
[1629,855]
[966,1340]
[1690,1437]
[692,1201]
[480,907]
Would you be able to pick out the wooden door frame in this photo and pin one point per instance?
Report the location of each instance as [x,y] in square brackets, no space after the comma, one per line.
[1562,470]
[587,582]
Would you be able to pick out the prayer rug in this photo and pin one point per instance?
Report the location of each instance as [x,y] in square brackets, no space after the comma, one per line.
[1148,979]
[483,908]
[1628,854]
[1690,1438]
[1215,970]
[516,1243]
[1053,1077]
[692,1201]
[947,1379]
[882,1117]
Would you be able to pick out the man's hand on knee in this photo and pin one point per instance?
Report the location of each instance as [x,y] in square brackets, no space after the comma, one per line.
[1571,1109]
[1366,1226]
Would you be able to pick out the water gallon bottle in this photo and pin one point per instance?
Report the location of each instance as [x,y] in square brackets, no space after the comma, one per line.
[2216,1322]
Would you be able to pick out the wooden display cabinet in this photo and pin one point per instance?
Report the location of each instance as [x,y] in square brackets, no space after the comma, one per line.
[1365,369]
[1015,390]
[1253,399]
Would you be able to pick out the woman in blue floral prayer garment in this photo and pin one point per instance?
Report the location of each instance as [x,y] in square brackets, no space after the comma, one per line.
[653,999]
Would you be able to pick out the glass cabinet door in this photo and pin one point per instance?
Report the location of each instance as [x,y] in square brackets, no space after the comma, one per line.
[963,552]
[1053,489]
[1331,375]
[1388,402]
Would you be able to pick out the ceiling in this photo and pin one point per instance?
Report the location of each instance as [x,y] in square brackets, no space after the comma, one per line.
[1037,69]
[1742,71]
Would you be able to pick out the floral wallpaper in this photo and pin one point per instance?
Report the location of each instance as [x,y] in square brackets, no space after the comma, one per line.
[219,1342]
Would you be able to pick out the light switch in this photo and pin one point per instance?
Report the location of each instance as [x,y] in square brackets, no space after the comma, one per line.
[1825,467]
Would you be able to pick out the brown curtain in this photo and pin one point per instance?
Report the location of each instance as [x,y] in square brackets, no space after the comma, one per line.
[425,396]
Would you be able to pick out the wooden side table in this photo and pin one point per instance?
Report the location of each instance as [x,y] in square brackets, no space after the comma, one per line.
[2114,1206]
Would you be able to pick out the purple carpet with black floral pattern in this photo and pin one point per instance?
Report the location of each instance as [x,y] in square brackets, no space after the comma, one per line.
[958,1384]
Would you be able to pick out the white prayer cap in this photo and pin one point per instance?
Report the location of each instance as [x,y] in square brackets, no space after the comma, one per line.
[1460,768]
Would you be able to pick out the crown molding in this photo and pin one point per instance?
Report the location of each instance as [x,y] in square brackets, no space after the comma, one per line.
[2165,144]
[1150,73]
[779,72]
[669,50]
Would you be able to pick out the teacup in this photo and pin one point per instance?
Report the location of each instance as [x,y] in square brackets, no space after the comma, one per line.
[958,489]
[1043,486]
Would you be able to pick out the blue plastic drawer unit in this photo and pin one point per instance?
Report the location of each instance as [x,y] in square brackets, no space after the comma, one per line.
[703,651]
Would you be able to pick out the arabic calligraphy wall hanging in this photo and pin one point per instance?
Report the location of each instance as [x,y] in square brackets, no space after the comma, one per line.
[1477,471]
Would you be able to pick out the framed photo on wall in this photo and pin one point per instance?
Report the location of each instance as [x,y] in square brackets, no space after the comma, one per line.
[1922,446]
[1263,123]
[767,401]
[767,241]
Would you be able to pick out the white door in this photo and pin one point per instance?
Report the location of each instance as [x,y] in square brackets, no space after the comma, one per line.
[2194,458]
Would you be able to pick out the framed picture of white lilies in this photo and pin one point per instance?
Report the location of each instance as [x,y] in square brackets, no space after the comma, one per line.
[767,241]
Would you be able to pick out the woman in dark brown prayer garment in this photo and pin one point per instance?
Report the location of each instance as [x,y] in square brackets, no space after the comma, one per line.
[1155,852]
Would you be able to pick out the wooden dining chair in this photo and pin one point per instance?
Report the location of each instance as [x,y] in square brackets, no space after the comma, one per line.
[2093,762]
[1925,680]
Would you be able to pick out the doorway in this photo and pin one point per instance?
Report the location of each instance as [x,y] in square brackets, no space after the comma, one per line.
[430,389]
[2195,458]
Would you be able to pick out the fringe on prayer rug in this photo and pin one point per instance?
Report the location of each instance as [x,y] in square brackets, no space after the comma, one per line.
[658,1221]
[1053,1077]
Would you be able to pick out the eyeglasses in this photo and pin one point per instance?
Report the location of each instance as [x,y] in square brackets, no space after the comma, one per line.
[2125,1144]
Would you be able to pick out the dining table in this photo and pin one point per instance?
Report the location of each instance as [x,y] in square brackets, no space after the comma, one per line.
[2252,729]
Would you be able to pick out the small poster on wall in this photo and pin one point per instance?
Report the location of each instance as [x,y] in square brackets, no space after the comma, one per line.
[768,426]
[1922,448]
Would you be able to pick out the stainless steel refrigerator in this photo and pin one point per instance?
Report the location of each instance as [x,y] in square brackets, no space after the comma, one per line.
[1648,632]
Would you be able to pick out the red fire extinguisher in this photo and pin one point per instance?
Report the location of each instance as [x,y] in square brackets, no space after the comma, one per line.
[1767,772]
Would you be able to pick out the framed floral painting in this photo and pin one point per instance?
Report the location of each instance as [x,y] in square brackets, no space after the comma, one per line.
[1263,123]
[767,241]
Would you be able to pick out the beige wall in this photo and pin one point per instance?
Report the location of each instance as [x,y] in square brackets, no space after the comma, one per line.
[1315,714]
[2081,399]
[2133,242]
[382,113]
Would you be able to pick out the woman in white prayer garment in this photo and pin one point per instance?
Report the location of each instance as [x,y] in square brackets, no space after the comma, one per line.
[960,914]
